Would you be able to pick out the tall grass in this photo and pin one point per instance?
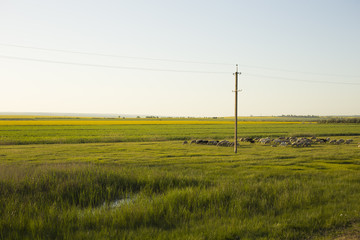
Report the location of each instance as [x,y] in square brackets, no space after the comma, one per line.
[173,191]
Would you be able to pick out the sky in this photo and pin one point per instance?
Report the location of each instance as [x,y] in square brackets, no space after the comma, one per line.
[177,58]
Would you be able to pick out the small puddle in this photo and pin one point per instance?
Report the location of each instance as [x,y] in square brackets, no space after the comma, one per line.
[113,205]
[120,202]
[109,206]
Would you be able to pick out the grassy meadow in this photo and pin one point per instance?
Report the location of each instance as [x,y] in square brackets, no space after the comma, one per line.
[136,180]
[46,130]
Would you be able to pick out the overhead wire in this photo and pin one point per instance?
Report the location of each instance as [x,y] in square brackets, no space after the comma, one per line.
[302,80]
[115,56]
[303,72]
[179,61]
[170,70]
[108,66]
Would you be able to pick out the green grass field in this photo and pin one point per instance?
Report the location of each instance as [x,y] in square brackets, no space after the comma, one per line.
[141,182]
[44,134]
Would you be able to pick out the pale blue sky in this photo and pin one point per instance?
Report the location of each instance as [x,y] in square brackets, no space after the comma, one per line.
[264,37]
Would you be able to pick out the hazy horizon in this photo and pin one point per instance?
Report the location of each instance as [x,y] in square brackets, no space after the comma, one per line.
[116,115]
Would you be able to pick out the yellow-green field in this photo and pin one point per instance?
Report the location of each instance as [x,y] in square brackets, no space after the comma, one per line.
[92,130]
[122,122]
[19,120]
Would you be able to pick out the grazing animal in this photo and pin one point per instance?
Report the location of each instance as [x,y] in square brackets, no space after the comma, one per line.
[222,143]
[225,143]
[265,140]
[212,142]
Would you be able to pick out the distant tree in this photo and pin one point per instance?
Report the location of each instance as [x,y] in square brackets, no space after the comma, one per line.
[341,120]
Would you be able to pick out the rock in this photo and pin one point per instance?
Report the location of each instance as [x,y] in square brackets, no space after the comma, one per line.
[222,143]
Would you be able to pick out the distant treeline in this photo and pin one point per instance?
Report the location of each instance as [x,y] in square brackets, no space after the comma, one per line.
[341,120]
[300,116]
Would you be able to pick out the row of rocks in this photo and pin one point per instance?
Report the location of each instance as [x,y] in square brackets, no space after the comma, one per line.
[281,141]
[223,143]
[302,141]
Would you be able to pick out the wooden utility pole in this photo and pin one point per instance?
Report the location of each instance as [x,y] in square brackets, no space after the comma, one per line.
[236,107]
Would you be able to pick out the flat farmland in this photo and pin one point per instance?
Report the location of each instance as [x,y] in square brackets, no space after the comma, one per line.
[87,130]
[139,181]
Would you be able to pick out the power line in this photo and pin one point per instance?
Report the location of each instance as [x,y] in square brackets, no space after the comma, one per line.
[167,70]
[179,61]
[113,55]
[108,66]
[302,80]
[303,72]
